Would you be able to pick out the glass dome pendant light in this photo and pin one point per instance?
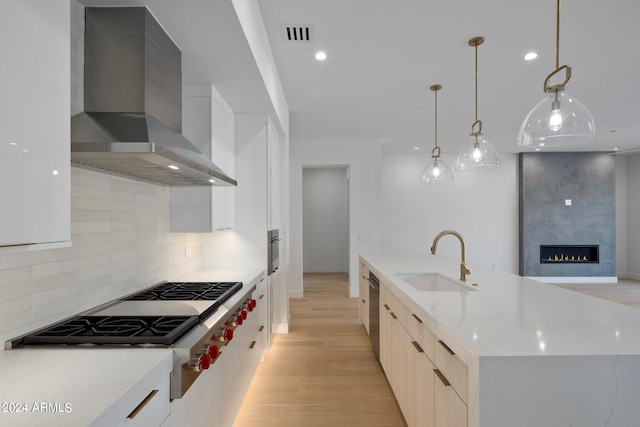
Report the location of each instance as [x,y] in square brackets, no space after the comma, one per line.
[480,154]
[437,170]
[558,119]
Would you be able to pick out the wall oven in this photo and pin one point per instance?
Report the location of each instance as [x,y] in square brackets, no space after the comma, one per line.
[273,250]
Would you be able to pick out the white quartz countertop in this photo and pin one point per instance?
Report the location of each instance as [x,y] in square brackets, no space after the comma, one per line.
[244,275]
[81,387]
[72,387]
[509,315]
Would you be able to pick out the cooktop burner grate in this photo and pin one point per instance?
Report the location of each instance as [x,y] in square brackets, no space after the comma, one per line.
[121,330]
[216,291]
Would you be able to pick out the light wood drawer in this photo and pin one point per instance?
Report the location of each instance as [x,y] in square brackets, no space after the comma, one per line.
[454,369]
[401,312]
[422,335]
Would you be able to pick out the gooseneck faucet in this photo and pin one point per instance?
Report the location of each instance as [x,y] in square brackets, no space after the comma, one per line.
[463,266]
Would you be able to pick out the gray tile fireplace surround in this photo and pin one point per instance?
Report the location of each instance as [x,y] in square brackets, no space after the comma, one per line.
[567,199]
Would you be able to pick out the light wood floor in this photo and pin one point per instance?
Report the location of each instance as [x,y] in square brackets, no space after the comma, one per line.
[323,372]
[625,292]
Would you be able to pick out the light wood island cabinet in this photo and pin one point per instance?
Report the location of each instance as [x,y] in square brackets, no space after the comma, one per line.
[428,380]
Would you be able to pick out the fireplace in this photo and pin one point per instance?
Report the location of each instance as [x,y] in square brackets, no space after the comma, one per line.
[569,254]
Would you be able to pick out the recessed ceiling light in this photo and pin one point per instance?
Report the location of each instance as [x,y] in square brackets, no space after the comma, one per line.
[416,148]
[530,56]
[173,167]
[213,181]
[321,56]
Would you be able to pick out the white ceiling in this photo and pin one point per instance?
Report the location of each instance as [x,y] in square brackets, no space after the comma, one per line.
[383,55]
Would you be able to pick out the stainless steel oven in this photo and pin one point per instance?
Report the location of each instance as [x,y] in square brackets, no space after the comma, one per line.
[273,250]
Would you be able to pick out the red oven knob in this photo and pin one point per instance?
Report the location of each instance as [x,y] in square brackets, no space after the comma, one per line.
[214,351]
[204,362]
[224,334]
[243,313]
[239,319]
[254,303]
[251,305]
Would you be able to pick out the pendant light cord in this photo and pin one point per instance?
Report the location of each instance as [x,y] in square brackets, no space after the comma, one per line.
[436,120]
[558,36]
[476,82]
[475,42]
[435,153]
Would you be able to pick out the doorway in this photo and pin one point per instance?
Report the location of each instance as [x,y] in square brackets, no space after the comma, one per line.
[325,219]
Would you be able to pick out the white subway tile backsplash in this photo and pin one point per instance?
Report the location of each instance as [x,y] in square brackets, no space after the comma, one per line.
[82,239]
[47,283]
[15,260]
[14,275]
[95,204]
[85,286]
[54,268]
[15,306]
[52,255]
[120,244]
[14,291]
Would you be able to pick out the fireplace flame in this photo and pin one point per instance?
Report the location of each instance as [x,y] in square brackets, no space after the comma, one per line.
[565,258]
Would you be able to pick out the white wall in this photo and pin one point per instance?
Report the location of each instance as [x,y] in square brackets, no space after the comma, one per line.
[325,219]
[621,217]
[363,157]
[633,217]
[482,206]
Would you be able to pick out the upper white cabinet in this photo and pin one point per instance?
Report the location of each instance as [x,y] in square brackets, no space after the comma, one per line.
[35,188]
[209,123]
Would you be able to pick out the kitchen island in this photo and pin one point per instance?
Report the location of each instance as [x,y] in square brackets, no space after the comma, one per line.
[518,352]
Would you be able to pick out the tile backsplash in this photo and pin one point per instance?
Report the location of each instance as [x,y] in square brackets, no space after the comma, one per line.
[120,243]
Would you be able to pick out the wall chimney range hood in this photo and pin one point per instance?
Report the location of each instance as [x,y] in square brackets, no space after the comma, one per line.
[132,119]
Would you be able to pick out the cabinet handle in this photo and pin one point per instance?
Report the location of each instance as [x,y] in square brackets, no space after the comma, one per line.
[261,296]
[142,404]
[364,301]
[261,328]
[393,315]
[417,318]
[386,306]
[253,344]
[442,377]
[417,346]
[446,347]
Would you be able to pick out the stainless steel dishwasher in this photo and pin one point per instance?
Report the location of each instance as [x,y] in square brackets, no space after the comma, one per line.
[374,313]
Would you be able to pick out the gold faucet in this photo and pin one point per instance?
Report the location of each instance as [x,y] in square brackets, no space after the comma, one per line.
[463,266]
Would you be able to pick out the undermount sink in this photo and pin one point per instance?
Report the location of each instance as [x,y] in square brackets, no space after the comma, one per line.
[433,282]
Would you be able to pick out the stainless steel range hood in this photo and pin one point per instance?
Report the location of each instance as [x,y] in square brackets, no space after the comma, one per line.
[132,123]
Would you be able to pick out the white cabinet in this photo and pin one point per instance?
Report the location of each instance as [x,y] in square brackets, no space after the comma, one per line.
[209,123]
[153,409]
[35,186]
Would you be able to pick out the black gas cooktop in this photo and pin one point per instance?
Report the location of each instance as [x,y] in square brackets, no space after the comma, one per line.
[159,329]
[130,330]
[189,291]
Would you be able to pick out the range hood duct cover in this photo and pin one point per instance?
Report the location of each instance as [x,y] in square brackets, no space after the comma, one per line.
[132,123]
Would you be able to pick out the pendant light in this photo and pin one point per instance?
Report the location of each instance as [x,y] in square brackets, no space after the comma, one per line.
[480,154]
[558,119]
[437,170]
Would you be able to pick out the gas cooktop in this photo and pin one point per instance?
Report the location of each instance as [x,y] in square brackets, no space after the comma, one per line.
[128,330]
[188,291]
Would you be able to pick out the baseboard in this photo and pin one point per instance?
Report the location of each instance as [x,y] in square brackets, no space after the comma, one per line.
[590,279]
[280,328]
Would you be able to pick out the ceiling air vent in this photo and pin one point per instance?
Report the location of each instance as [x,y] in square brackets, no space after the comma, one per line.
[297,33]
